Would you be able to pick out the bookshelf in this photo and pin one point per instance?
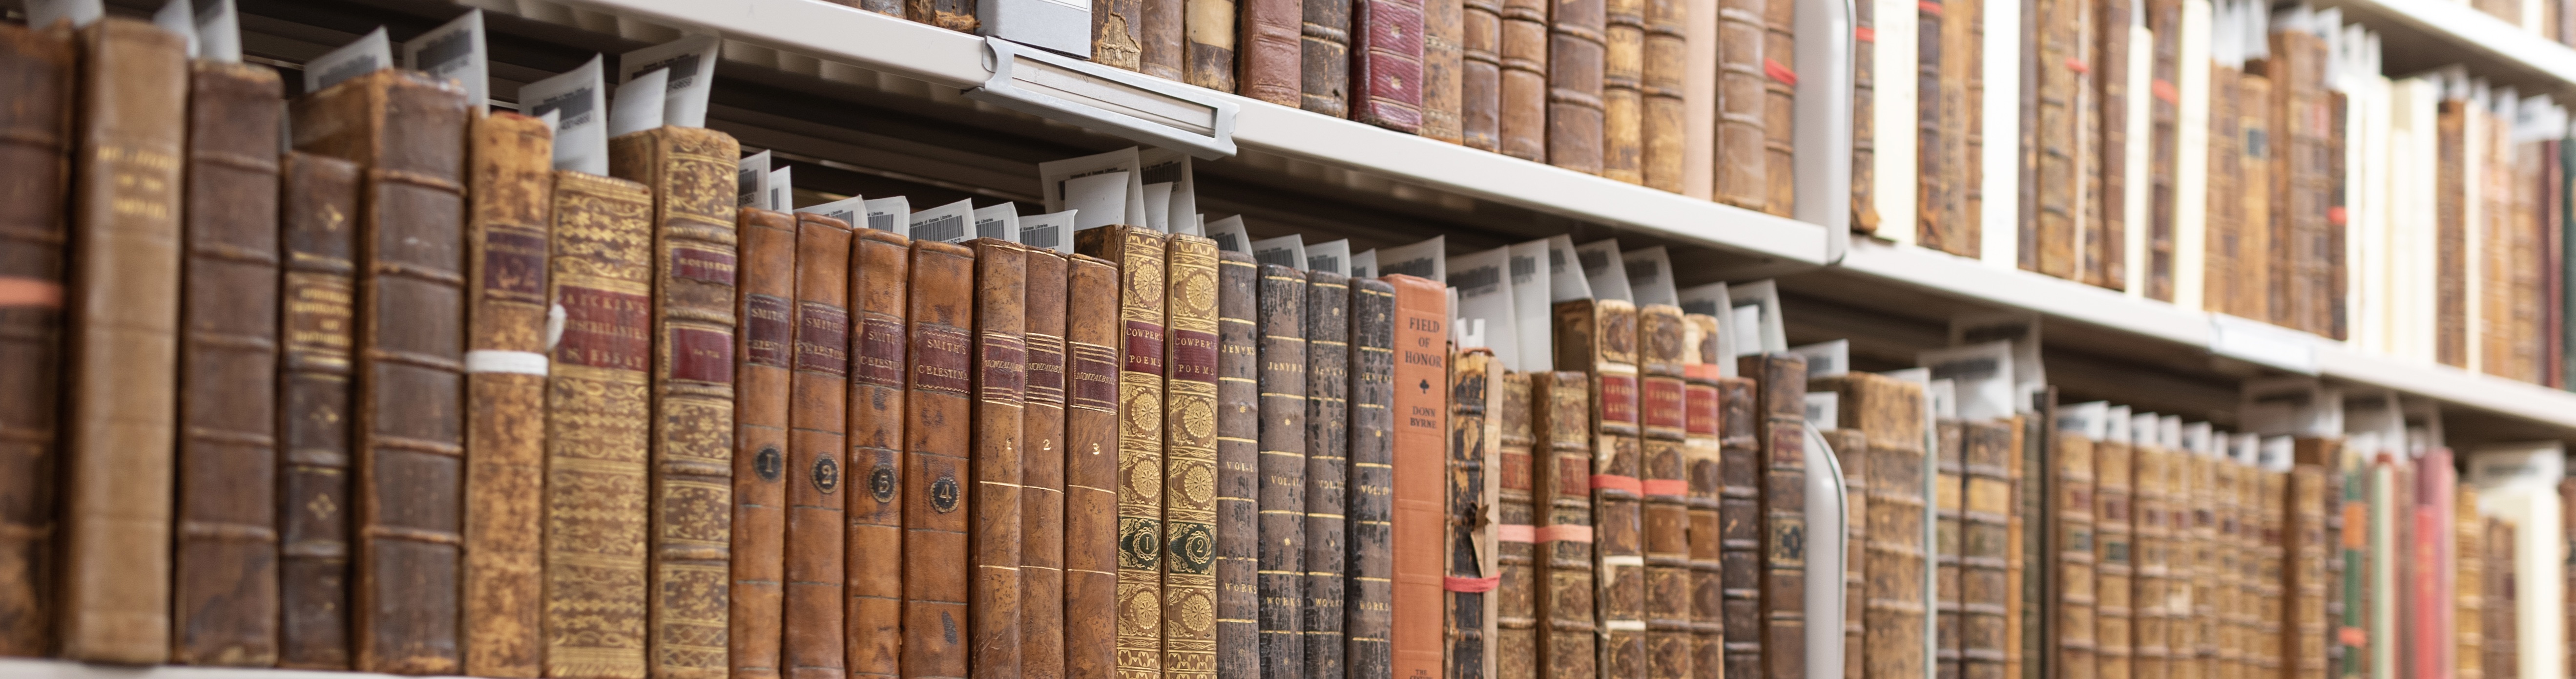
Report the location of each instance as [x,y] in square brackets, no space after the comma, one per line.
[33,668]
[2426,34]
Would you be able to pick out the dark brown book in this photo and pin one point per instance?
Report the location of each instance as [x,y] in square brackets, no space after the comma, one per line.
[1238,466]
[1780,381]
[1138,253]
[37,67]
[1662,351]
[1779,106]
[1561,404]
[1864,107]
[1467,534]
[510,182]
[880,285]
[1984,557]
[1521,116]
[1324,56]
[1701,458]
[1209,27]
[319,194]
[1741,165]
[1949,458]
[2061,82]
[2164,146]
[224,601]
[1118,33]
[1480,76]
[2252,260]
[2106,226]
[1444,62]
[1575,59]
[1042,470]
[1623,71]
[1270,50]
[408,131]
[1330,430]
[1164,56]
[955,15]
[1091,455]
[818,413]
[1666,59]
[938,431]
[1421,368]
[1515,521]
[598,424]
[1600,337]
[999,378]
[1368,620]
[763,369]
[1189,457]
[690,172]
[1280,581]
[1739,534]
[2302,187]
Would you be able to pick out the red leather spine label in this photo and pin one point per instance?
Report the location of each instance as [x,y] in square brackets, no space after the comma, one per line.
[701,355]
[823,339]
[1091,377]
[1004,364]
[1616,482]
[765,330]
[705,265]
[1573,477]
[1663,403]
[940,359]
[1619,398]
[1516,471]
[1699,406]
[1046,372]
[514,266]
[1144,347]
[606,329]
[1664,486]
[1788,446]
[880,345]
[1194,356]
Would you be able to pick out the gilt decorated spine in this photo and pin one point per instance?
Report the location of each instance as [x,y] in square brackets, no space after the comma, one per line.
[999,374]
[1139,254]
[321,194]
[1983,556]
[1042,470]
[1600,337]
[1189,462]
[1386,63]
[1664,420]
[598,422]
[1091,433]
[1623,90]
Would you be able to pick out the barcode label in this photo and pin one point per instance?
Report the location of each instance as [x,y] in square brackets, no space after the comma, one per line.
[1523,268]
[1280,256]
[1411,267]
[845,216]
[944,229]
[1043,236]
[1225,241]
[1476,280]
[990,228]
[883,222]
[1324,263]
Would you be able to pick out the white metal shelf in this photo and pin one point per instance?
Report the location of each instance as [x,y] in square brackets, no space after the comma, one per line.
[2421,34]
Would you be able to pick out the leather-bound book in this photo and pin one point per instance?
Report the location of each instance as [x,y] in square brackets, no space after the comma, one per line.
[1666,59]
[2153,590]
[1936,227]
[1091,468]
[1516,590]
[1864,107]
[1330,429]
[1480,75]
[880,347]
[37,65]
[1855,535]
[319,195]
[2218,252]
[1189,459]
[1967,46]
[1561,410]
[1779,106]
[2468,589]
[2299,187]
[2114,555]
[1118,33]
[2253,273]
[1238,465]
[224,600]
[1208,27]
[1741,166]
[1982,553]
[2061,83]
[1000,377]
[2021,619]
[1444,26]
[1888,414]
[2164,146]
[1948,486]
[1780,381]
[597,423]
[955,15]
[2105,233]
[1467,531]
[408,131]
[1421,321]
[1138,252]
[1739,532]
[1324,56]
[2450,235]
[1042,470]
[1269,52]
[2200,474]
[1600,337]
[1370,566]
[2230,571]
[937,432]
[1164,56]
[690,172]
[1700,457]
[1623,72]
[1521,117]
[2071,471]
[2308,564]
[1574,59]
[1281,582]
[766,302]
[1662,350]
[510,183]
[2272,502]
[818,415]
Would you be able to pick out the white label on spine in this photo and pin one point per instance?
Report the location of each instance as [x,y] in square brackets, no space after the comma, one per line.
[497,361]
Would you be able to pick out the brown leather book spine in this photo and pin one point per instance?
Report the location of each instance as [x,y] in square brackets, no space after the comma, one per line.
[1208,26]
[1968,18]
[2218,254]
[1623,72]
[35,141]
[1740,526]
[1781,383]
[1949,458]
[1118,33]
[1139,255]
[1189,458]
[1042,471]
[1370,563]
[1468,530]
[1982,555]
[1165,54]
[763,369]
[1421,321]
[1238,466]
[1864,107]
[1779,106]
[1271,51]
[1000,379]
[1888,414]
[2164,22]
[1741,165]
[510,181]
[2105,237]
[690,172]
[1562,407]
[1664,480]
[597,426]
[2307,577]
[1444,62]
[1575,61]
[408,130]
[1324,56]
[224,601]
[2061,77]
[1521,117]
[938,431]
[1665,60]
[955,15]
[1933,176]
[1700,457]
[1279,579]
[2253,257]
[1515,523]
[1330,429]
[880,283]
[2450,236]
[1600,336]
[1091,460]
[319,195]
[817,442]
[2154,590]
[1480,107]
[2072,566]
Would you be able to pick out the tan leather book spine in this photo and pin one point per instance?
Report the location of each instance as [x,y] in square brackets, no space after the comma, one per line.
[2232,629]
[2071,461]
[510,183]
[35,141]
[1567,631]
[2164,146]
[1091,458]
[1779,107]
[2020,624]
[2106,231]
[1444,70]
[1888,413]
[1521,118]
[1933,134]
[2252,258]
[2201,477]
[2218,254]
[2450,236]
[2114,557]
[2062,70]
[1189,458]
[1118,33]
[1515,546]
[1208,27]
[1575,62]
[408,130]
[1781,383]
[2300,185]
[1666,60]
[2151,611]
[880,284]
[1983,582]
[691,174]
[597,428]
[1042,470]
[1480,74]
[937,432]
[1467,529]
[1968,18]
[1701,454]
[1139,254]
[1623,103]
[818,414]
[1421,322]
[1662,351]
[1864,107]
[993,516]
[1600,336]
[2306,576]
[224,601]
[1741,166]
[320,196]
[763,369]
[1949,489]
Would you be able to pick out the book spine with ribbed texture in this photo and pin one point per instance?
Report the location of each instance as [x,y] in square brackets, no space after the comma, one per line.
[1368,620]
[1139,254]
[1466,529]
[1042,465]
[1238,466]
[1701,460]
[1281,578]
[1781,385]
[993,521]
[1515,523]
[1329,429]
[1740,526]
[1189,458]
[766,296]
[2104,260]
[880,286]
[1780,107]
[817,449]
[1600,337]
[1664,480]
[1623,70]
[1092,452]
[35,144]
[598,422]
[2071,566]
[320,193]
[1561,408]
[1948,496]
[2114,556]
[1983,558]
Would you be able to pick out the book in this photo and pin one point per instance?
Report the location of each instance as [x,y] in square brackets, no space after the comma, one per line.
[1702,457]
[1368,620]
[1888,413]
[1575,58]
[1515,525]
[2311,565]
[1164,54]
[1421,369]
[2164,19]
[1740,555]
[1984,578]
[408,131]
[1444,65]
[955,15]
[1662,353]
[1561,404]
[763,366]
[1189,461]
[1324,47]
[1209,27]
[1855,634]
[1238,465]
[1935,227]
[1480,74]
[880,287]
[1467,528]
[1622,90]
[2106,217]
[1780,384]
[1280,579]
[599,269]
[1666,49]
[318,194]
[41,63]
[1522,114]
[937,501]
[2253,232]
[2152,586]
[1117,32]
[224,600]
[2468,583]
[1600,337]
[1948,500]
[2068,606]
[1967,42]
[1092,455]
[1779,106]
[1864,110]
[1329,433]
[993,520]
[1742,167]
[2114,547]
[2051,244]
[1139,254]
[1386,47]
[1042,468]
[2225,214]
[509,184]
[1268,50]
